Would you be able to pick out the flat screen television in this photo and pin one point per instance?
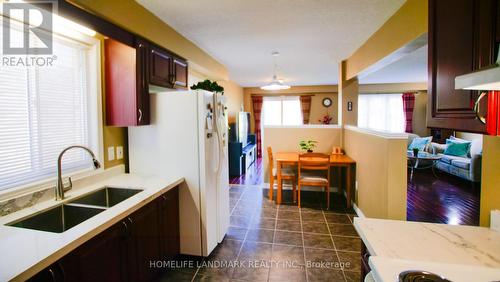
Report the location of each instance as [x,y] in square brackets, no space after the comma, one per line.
[243,127]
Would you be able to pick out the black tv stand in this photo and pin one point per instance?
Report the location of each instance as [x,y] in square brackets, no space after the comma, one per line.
[241,158]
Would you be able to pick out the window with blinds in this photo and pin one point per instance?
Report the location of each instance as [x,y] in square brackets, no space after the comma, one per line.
[43,110]
[282,110]
[381,112]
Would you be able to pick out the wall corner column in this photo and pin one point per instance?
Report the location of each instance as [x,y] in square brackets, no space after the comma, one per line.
[348,94]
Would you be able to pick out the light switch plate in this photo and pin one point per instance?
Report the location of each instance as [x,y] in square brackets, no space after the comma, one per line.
[495,220]
[111,153]
[119,152]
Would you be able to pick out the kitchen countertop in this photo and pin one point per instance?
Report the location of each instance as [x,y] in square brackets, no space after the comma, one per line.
[25,252]
[438,246]
[386,269]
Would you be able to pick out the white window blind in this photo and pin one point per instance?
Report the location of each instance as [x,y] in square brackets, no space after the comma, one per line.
[42,111]
[284,110]
[381,112]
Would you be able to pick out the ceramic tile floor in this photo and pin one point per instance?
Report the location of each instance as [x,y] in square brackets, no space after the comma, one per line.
[267,242]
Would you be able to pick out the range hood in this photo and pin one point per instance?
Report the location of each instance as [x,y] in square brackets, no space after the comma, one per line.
[483,79]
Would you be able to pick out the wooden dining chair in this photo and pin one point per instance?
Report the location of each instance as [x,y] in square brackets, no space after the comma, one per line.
[287,173]
[314,170]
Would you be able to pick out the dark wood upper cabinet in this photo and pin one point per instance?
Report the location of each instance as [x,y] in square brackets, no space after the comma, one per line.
[127,100]
[142,74]
[167,70]
[180,72]
[131,73]
[462,38]
[160,68]
[127,96]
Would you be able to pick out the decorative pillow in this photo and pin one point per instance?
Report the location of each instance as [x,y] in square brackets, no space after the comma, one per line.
[420,143]
[459,149]
[459,140]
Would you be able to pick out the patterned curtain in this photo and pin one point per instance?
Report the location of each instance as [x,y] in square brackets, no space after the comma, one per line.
[257,109]
[408,104]
[305,105]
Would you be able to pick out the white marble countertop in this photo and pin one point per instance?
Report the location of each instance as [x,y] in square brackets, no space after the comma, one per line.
[25,252]
[386,269]
[440,244]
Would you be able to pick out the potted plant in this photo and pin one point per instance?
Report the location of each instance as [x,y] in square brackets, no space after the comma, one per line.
[208,85]
[326,119]
[308,145]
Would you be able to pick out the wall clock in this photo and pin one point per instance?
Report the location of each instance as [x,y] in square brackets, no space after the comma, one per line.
[327,102]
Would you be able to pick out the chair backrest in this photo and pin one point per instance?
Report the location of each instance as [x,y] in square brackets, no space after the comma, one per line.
[314,161]
[271,159]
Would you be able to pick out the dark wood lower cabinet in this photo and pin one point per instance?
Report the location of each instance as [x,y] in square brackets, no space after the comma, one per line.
[100,259]
[124,251]
[146,239]
[169,223]
[365,267]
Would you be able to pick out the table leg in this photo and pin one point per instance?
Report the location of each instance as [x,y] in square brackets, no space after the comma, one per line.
[348,186]
[271,186]
[433,170]
[280,182]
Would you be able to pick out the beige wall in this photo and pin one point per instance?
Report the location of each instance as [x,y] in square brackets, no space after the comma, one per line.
[490,185]
[318,111]
[420,114]
[234,96]
[404,27]
[348,92]
[380,172]
[286,139]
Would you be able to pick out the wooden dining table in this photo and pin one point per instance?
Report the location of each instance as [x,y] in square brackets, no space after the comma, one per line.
[336,160]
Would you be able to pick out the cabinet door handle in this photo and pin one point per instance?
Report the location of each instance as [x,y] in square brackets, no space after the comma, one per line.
[130,220]
[52,274]
[482,119]
[140,115]
[126,227]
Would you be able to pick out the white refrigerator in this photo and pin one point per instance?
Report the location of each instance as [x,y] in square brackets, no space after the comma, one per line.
[187,138]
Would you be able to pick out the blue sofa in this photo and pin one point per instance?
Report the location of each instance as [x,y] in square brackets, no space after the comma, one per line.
[468,168]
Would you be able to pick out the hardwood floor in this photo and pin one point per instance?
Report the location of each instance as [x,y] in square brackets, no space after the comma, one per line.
[446,199]
[254,175]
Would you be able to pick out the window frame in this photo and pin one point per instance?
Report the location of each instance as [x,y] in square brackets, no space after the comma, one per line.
[94,78]
[281,98]
[383,130]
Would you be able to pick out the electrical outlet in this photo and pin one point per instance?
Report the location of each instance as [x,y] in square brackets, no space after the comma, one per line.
[356,185]
[119,152]
[111,153]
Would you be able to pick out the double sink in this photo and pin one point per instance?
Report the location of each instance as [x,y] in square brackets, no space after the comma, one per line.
[67,215]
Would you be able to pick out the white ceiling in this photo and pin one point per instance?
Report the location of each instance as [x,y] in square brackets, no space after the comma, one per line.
[312,36]
[410,68]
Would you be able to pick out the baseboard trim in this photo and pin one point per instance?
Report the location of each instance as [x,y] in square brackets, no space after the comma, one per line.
[358,211]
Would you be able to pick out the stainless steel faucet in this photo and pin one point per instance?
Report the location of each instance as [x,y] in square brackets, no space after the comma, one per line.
[60,188]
